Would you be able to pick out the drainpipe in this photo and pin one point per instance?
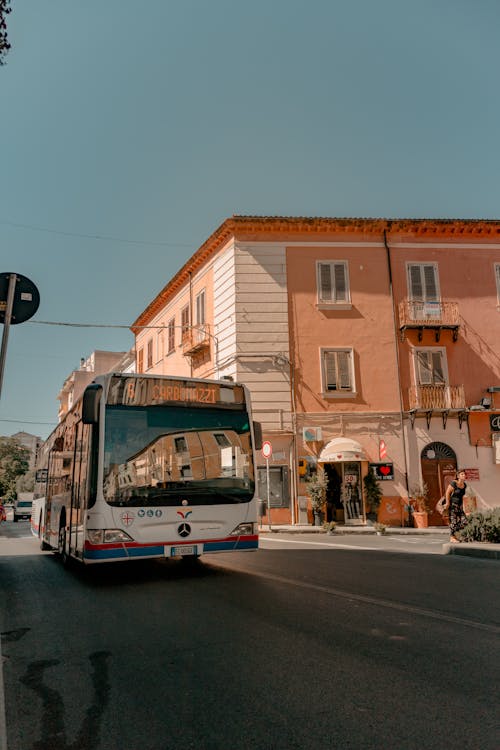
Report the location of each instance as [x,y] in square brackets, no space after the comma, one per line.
[190,317]
[396,346]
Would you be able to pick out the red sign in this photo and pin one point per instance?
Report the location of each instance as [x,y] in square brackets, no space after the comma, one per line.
[267,449]
[472,475]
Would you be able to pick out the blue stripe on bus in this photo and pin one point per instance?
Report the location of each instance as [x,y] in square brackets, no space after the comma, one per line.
[121,553]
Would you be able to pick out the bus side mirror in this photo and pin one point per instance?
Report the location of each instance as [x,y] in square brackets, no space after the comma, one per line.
[90,405]
[257,435]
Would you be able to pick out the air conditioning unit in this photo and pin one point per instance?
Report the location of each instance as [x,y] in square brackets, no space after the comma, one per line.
[312,434]
[495,440]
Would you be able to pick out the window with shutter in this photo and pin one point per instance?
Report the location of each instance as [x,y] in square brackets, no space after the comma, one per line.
[422,282]
[185,322]
[200,308]
[337,371]
[140,360]
[171,336]
[497,276]
[430,367]
[333,284]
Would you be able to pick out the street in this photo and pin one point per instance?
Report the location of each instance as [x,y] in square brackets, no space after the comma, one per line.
[281,648]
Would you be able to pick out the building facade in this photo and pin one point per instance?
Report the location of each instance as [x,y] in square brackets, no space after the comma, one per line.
[97,363]
[362,342]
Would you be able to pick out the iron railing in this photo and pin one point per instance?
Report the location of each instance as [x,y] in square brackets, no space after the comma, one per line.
[443,397]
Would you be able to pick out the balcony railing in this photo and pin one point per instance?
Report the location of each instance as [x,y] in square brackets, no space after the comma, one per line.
[441,397]
[438,316]
[196,338]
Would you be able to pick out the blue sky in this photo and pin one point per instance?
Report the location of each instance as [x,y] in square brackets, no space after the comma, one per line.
[149,123]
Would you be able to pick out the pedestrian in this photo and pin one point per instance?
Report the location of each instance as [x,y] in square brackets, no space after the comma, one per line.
[454,504]
[3,514]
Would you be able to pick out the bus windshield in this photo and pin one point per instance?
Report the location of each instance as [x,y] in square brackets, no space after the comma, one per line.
[164,455]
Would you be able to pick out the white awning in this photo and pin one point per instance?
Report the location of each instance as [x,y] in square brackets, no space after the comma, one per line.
[342,449]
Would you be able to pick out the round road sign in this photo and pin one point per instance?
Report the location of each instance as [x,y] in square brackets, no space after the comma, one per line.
[26,298]
[267,449]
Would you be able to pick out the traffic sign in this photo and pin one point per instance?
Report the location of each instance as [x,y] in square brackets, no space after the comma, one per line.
[26,298]
[267,449]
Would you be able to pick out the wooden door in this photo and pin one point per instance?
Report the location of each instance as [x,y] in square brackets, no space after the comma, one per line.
[437,474]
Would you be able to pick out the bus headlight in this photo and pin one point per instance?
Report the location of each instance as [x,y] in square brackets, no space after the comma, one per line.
[243,529]
[107,536]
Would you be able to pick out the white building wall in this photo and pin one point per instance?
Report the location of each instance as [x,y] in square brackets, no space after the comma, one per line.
[262,340]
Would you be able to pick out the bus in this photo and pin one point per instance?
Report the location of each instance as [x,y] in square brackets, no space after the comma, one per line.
[148,466]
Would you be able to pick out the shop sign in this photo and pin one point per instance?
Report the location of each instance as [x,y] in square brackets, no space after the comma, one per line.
[495,422]
[383,471]
[472,475]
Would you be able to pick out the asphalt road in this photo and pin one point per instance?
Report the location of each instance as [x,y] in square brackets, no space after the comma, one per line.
[293,648]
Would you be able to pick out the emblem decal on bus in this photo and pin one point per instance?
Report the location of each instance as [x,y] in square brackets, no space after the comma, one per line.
[127,518]
[184,515]
[184,529]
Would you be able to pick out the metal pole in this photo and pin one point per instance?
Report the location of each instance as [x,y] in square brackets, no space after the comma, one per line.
[268,495]
[6,325]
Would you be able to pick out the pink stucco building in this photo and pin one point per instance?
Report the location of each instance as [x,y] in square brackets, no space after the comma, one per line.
[363,341]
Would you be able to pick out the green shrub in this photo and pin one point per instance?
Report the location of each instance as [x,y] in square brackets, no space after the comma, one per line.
[483,527]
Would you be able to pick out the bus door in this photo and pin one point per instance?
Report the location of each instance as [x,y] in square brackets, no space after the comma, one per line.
[79,490]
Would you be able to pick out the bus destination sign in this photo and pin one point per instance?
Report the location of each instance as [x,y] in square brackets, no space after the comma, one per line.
[137,391]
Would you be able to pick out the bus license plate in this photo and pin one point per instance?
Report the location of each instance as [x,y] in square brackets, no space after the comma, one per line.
[184,550]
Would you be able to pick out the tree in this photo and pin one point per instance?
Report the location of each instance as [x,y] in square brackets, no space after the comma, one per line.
[5,9]
[14,462]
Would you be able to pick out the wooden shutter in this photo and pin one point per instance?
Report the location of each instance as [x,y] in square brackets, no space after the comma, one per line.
[437,368]
[325,282]
[332,282]
[200,309]
[330,371]
[424,370]
[431,294]
[416,286]
[344,368]
[340,283]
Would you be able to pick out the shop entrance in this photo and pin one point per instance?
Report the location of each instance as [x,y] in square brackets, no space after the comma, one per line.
[344,502]
[439,466]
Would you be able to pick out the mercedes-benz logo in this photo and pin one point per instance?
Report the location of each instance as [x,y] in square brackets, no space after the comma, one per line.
[184,529]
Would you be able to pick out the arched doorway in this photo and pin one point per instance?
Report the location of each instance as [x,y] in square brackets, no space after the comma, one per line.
[439,466]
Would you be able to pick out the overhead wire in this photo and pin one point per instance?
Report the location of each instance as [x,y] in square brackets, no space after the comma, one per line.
[100,237]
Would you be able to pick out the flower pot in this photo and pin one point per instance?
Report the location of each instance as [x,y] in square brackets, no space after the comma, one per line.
[318,517]
[420,519]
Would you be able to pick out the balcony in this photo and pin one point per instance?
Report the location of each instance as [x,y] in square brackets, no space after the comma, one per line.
[437,316]
[436,397]
[195,339]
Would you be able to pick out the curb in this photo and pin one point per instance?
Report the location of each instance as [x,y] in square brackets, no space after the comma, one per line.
[346,530]
[473,549]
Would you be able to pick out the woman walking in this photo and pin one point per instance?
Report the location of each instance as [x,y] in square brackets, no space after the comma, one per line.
[454,503]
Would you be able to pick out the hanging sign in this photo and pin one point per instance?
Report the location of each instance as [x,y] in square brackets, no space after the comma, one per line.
[383,471]
[495,422]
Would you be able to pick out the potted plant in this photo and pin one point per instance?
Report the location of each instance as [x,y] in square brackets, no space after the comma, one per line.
[316,488]
[373,494]
[420,505]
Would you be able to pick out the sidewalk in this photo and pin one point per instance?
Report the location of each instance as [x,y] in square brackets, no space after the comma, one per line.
[469,549]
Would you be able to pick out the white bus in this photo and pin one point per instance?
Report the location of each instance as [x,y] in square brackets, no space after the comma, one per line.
[149,467]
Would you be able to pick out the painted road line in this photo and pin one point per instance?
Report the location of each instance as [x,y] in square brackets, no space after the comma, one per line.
[323,545]
[374,601]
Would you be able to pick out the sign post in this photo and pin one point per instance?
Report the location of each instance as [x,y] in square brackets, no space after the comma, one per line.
[19,300]
[267,452]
